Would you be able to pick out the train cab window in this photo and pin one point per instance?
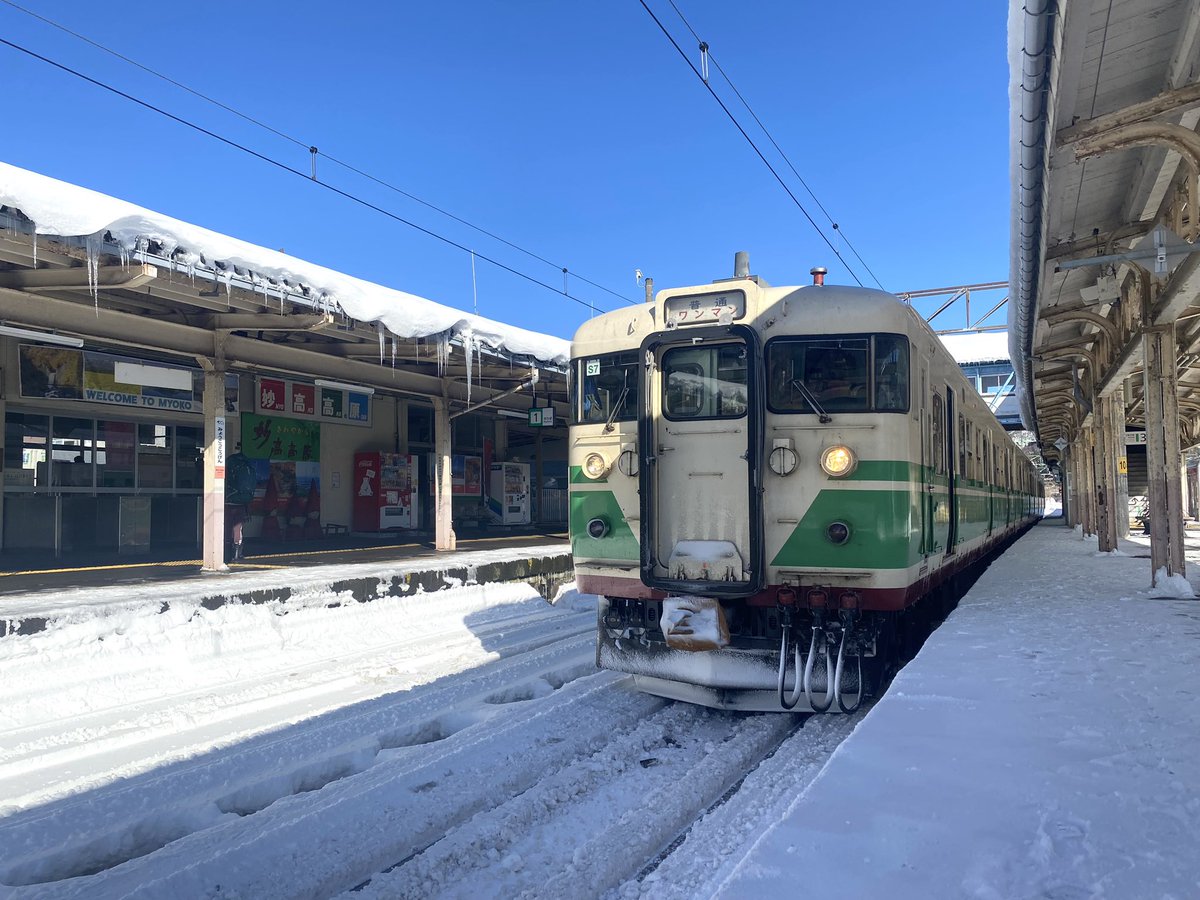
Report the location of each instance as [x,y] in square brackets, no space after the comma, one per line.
[608,388]
[842,373]
[891,373]
[705,382]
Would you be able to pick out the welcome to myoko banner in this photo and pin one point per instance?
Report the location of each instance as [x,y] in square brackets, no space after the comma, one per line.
[69,374]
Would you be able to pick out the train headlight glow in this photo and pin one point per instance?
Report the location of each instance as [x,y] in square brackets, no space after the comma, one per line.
[595,466]
[838,461]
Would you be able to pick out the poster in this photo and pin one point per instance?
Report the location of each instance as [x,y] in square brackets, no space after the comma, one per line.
[466,475]
[69,374]
[277,438]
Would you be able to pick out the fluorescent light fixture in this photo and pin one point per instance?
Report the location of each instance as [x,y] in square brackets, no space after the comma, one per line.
[342,386]
[513,414]
[152,376]
[41,336]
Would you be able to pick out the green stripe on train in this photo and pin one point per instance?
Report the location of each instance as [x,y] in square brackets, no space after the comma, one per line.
[619,543]
[885,531]
[575,473]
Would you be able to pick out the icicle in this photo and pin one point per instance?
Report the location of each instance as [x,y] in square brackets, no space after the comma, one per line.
[142,246]
[379,331]
[443,353]
[35,245]
[93,268]
[228,282]
[124,257]
[469,345]
[393,351]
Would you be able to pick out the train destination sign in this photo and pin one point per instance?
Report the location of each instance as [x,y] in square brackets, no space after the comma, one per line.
[686,310]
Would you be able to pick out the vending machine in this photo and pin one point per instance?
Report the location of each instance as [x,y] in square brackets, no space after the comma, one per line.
[385,491]
[509,495]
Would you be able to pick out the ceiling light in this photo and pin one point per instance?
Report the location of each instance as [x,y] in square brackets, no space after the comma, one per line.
[342,386]
[41,336]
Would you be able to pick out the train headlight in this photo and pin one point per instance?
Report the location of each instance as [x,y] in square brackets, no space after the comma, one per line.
[838,461]
[838,532]
[597,527]
[595,466]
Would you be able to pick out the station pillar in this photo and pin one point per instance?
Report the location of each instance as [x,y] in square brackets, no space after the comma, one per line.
[444,538]
[215,452]
[1162,451]
[1107,493]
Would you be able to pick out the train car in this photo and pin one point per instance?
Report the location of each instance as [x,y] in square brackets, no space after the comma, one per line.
[770,486]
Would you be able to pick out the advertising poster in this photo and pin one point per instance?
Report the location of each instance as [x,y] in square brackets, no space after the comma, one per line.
[277,438]
[69,374]
[466,475]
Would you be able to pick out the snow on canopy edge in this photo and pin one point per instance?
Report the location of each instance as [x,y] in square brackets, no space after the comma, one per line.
[977,347]
[66,210]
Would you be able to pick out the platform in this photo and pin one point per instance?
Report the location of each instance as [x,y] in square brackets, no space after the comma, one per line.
[38,600]
[1041,744]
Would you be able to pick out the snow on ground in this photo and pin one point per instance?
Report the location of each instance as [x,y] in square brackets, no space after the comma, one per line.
[1040,745]
[461,743]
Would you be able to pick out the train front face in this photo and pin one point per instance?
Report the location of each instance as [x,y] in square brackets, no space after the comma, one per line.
[740,473]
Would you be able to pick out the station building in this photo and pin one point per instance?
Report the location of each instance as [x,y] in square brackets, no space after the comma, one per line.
[139,353]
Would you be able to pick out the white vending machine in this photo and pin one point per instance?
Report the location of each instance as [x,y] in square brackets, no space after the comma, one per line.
[508,496]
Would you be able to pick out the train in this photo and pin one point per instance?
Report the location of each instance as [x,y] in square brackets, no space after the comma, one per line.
[774,489]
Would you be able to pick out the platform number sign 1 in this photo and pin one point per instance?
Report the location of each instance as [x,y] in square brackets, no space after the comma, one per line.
[535,418]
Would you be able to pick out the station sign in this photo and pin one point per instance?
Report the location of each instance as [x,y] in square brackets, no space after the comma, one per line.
[541,417]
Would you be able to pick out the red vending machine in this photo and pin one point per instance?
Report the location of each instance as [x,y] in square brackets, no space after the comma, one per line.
[385,491]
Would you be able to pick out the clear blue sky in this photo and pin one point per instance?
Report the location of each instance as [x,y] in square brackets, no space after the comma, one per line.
[572,129]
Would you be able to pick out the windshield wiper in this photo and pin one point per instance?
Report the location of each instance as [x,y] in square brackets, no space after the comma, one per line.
[612,415]
[822,416]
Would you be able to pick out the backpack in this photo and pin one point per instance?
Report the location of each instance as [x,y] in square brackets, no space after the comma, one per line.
[241,479]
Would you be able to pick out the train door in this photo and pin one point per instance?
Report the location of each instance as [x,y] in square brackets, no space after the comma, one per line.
[952,471]
[928,466]
[700,427]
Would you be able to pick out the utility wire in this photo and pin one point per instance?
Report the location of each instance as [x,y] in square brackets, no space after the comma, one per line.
[750,141]
[286,168]
[308,147]
[778,149]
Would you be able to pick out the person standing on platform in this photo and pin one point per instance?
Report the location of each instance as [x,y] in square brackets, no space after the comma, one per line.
[240,481]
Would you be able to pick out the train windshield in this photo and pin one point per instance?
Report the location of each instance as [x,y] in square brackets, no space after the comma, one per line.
[842,373]
[608,388]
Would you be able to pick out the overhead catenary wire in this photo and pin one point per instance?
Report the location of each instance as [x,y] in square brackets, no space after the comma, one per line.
[707,58]
[766,162]
[313,150]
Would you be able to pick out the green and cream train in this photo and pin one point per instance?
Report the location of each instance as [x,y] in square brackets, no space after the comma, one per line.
[770,486]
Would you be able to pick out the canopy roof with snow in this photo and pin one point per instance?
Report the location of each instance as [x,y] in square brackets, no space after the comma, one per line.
[64,246]
[58,208]
[977,346]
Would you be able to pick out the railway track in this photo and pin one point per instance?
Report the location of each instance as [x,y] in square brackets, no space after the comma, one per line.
[527,772]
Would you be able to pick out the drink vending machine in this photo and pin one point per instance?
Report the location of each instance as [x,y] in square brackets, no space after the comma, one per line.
[509,495]
[385,491]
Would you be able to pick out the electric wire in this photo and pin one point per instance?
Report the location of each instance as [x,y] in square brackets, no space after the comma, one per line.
[309,147]
[779,150]
[750,141]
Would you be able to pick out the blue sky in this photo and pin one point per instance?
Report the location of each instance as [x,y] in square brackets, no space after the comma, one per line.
[572,129]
